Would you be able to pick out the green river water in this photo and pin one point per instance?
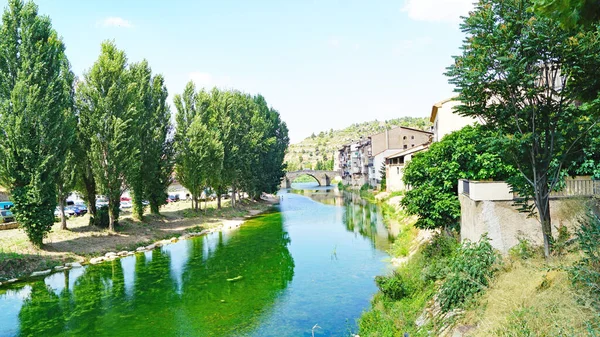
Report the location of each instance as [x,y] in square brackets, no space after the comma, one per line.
[310,261]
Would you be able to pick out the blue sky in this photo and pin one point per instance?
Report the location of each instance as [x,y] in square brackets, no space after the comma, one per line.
[323,64]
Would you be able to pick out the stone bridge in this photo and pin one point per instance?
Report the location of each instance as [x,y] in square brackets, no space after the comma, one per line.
[323,177]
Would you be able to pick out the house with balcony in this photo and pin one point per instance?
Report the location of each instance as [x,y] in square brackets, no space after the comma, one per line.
[394,165]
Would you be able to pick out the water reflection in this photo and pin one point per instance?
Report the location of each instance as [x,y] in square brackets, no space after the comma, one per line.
[181,289]
[360,216]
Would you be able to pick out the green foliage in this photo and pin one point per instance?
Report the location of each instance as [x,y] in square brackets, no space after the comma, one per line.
[383,178]
[469,153]
[585,274]
[365,187]
[393,286]
[470,271]
[152,163]
[523,250]
[228,139]
[106,112]
[533,82]
[569,13]
[36,99]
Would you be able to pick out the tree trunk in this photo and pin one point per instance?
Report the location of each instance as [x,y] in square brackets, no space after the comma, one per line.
[90,198]
[232,196]
[138,207]
[154,209]
[218,200]
[63,218]
[111,218]
[542,203]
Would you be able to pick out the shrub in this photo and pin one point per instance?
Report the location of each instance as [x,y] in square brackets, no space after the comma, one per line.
[365,187]
[523,250]
[393,287]
[586,272]
[101,219]
[471,269]
[441,245]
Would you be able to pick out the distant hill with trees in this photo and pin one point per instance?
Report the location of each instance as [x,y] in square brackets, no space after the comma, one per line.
[317,151]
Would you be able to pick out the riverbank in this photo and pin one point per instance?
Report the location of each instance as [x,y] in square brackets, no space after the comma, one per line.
[445,288]
[81,242]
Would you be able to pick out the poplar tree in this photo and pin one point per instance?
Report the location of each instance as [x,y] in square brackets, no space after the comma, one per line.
[35,106]
[106,110]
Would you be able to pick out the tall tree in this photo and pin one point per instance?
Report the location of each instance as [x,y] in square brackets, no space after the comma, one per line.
[160,156]
[569,13]
[35,106]
[106,109]
[531,80]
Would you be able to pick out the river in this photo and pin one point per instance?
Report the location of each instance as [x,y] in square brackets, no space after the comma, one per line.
[310,262]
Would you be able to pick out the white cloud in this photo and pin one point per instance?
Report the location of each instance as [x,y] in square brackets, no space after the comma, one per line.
[208,81]
[437,10]
[115,21]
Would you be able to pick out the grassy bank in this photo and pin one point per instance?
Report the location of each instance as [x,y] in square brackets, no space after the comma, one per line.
[450,289]
[81,241]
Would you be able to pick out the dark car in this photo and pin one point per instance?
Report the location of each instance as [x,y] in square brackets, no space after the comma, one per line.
[173,198]
[78,210]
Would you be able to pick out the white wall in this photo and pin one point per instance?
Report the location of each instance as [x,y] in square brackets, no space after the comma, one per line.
[446,121]
[394,175]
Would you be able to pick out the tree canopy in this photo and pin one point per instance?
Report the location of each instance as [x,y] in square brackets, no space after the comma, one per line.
[470,153]
[535,83]
[36,112]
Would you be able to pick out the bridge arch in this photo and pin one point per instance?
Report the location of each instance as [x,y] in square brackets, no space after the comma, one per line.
[323,178]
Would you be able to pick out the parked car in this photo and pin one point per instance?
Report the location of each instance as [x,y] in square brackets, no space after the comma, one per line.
[101,202]
[126,204]
[68,212]
[173,198]
[77,211]
[7,216]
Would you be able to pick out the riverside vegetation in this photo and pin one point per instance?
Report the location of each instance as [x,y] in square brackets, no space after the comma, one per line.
[110,131]
[530,77]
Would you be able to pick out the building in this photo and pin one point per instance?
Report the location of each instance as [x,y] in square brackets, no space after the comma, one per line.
[395,167]
[391,142]
[445,120]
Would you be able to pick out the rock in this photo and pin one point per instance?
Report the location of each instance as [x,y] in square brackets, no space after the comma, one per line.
[130,253]
[110,254]
[140,249]
[97,260]
[150,247]
[421,320]
[60,268]
[174,239]
[41,273]
[12,280]
[73,265]
[122,253]
[183,237]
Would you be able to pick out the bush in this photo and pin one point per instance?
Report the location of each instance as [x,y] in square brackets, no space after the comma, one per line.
[523,250]
[101,219]
[586,273]
[393,287]
[365,187]
[441,245]
[471,269]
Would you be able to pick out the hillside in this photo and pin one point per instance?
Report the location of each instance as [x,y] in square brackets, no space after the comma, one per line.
[317,151]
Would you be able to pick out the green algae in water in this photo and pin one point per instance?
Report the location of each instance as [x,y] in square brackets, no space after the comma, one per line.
[289,282]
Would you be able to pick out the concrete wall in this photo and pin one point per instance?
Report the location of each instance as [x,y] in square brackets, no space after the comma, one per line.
[486,190]
[394,175]
[505,225]
[447,121]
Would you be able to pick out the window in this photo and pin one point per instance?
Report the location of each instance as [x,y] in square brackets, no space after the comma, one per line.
[398,170]
[404,137]
[405,146]
[412,145]
[412,137]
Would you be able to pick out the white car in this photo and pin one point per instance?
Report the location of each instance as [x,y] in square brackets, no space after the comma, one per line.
[68,212]
[126,204]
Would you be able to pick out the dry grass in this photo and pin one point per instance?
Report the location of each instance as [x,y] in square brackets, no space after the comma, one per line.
[81,240]
[531,298]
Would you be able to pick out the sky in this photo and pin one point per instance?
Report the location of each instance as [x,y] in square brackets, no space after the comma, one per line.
[321,63]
